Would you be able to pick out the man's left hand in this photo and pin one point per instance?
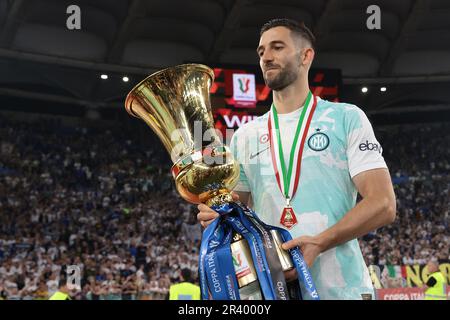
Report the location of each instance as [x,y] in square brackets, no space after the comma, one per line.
[310,246]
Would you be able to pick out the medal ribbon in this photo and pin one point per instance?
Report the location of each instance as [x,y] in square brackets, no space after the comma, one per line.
[291,176]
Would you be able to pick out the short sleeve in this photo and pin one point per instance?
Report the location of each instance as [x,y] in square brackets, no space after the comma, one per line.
[364,152]
[243,184]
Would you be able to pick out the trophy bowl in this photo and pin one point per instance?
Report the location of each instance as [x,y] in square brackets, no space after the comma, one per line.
[175,104]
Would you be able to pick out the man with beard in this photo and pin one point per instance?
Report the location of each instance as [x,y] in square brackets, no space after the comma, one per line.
[303,163]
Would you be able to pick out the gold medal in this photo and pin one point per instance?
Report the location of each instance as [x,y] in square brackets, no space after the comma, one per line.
[288,218]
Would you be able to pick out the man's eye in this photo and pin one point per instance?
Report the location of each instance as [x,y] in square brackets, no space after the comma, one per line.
[278,48]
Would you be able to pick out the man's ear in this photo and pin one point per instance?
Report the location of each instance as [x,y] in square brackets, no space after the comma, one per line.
[307,56]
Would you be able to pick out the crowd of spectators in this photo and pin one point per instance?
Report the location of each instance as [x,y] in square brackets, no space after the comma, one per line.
[104,200]
[418,159]
[95,199]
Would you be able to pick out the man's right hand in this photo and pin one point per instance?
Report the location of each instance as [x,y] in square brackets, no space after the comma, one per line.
[206,215]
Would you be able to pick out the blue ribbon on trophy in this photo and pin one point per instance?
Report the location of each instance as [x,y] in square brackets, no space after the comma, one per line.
[240,256]
[269,283]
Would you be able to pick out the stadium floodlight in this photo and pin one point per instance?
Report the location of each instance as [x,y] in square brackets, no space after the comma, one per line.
[364,89]
[383,89]
[104,76]
[125,79]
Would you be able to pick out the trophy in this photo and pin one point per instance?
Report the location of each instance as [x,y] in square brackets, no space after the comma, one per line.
[175,104]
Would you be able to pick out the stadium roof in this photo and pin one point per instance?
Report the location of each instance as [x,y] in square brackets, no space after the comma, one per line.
[41,58]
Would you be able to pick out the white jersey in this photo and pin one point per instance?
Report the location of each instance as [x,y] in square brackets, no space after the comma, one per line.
[340,143]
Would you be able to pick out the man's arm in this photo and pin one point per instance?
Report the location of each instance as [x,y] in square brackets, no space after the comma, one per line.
[376,209]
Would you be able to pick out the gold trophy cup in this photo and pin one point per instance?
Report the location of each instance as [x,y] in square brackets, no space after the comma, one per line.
[175,104]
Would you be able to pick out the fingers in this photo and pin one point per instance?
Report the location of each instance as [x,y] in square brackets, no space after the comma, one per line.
[309,261]
[296,242]
[290,244]
[290,275]
[206,223]
[206,215]
[235,196]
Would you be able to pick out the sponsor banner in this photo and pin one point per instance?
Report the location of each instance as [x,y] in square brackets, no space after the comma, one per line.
[243,86]
[239,94]
[404,294]
[229,119]
[406,276]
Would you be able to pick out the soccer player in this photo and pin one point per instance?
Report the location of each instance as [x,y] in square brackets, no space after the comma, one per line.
[303,163]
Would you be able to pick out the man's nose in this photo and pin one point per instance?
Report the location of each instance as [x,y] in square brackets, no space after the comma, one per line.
[267,57]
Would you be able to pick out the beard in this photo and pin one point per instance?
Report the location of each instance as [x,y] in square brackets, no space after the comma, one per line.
[286,76]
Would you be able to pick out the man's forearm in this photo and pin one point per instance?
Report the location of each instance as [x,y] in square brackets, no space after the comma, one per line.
[368,215]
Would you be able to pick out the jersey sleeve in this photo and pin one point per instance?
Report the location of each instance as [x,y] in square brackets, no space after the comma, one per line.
[364,152]
[236,148]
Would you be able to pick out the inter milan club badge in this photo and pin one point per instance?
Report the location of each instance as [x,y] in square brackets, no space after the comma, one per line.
[288,218]
[318,141]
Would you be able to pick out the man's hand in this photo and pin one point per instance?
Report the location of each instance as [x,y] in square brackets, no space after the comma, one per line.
[207,215]
[310,247]
[290,275]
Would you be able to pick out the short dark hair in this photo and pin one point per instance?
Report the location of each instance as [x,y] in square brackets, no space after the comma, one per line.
[298,28]
[186,274]
[62,282]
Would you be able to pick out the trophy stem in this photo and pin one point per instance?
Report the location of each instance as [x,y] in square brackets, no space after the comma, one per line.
[218,197]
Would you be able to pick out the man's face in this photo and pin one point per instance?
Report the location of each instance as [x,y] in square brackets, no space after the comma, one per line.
[279,58]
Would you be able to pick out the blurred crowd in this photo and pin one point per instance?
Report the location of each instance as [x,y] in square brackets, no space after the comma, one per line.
[95,199]
[418,159]
[105,201]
